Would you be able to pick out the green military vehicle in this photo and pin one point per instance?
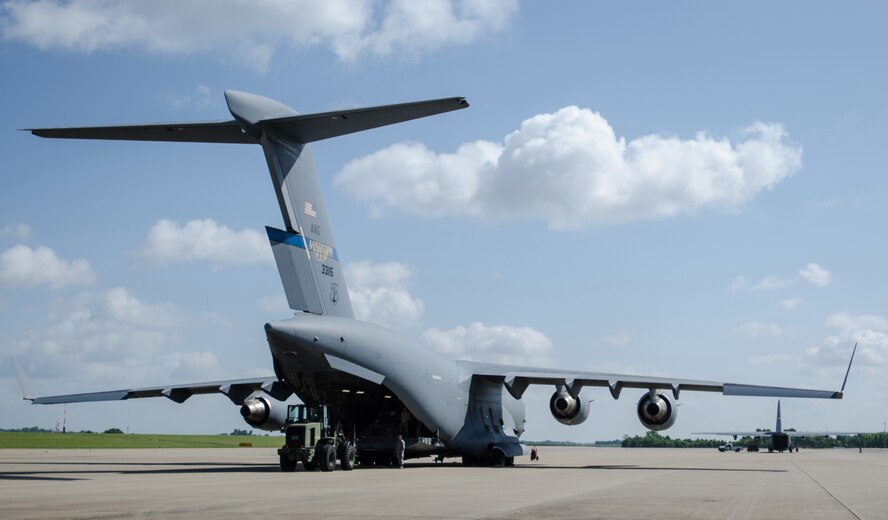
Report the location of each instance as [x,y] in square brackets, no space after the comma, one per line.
[314,439]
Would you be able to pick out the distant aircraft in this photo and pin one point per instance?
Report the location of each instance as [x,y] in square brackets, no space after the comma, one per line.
[778,440]
[377,382]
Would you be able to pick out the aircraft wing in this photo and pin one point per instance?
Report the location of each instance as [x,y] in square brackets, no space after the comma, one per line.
[737,434]
[818,434]
[237,390]
[517,379]
[768,434]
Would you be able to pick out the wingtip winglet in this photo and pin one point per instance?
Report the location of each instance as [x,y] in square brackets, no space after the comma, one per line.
[24,384]
[847,371]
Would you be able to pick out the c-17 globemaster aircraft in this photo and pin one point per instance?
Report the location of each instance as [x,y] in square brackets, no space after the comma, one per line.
[377,382]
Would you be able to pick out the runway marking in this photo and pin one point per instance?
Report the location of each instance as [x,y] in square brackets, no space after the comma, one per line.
[826,490]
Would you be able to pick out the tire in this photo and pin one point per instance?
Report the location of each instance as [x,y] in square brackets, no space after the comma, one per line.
[327,458]
[310,465]
[498,459]
[348,457]
[287,464]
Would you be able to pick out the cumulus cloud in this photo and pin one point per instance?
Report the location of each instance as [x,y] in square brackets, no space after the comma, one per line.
[253,31]
[380,293]
[869,331]
[815,275]
[21,266]
[791,303]
[203,240]
[494,344]
[755,329]
[570,170]
[772,283]
[812,274]
[21,231]
[112,337]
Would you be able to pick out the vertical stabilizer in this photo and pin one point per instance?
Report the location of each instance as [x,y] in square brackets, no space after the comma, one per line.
[304,251]
[779,422]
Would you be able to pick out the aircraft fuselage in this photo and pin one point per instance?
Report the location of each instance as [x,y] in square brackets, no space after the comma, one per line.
[369,374]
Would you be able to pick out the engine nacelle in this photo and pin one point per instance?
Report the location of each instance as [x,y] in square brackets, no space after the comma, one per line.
[568,409]
[259,412]
[658,413]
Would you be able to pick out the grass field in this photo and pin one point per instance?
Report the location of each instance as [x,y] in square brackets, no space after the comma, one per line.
[27,440]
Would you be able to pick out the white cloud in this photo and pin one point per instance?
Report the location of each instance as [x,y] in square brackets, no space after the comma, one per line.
[755,329]
[739,282]
[380,293]
[812,274]
[203,240]
[495,344]
[201,97]
[21,231]
[869,331]
[845,320]
[112,338]
[123,307]
[569,169]
[253,31]
[772,283]
[791,303]
[815,275]
[21,266]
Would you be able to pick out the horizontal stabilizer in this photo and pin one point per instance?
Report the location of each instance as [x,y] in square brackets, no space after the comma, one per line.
[246,130]
[315,127]
[214,132]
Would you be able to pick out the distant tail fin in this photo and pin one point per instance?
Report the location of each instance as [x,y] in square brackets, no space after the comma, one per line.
[779,421]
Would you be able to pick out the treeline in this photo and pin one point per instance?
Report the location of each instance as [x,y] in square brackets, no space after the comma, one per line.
[30,429]
[653,439]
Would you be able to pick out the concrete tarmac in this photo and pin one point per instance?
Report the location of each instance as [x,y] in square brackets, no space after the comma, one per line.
[565,483]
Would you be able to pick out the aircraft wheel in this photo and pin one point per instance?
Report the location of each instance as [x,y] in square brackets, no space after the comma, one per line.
[348,457]
[287,464]
[499,458]
[327,458]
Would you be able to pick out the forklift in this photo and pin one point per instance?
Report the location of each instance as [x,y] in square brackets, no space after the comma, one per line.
[316,440]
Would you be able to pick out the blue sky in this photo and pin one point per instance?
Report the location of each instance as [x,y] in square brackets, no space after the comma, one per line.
[686,190]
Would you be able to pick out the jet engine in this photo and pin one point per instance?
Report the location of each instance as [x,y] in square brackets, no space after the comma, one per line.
[259,412]
[657,413]
[568,409]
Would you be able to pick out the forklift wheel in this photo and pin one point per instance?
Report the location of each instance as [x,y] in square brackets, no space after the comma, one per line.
[327,458]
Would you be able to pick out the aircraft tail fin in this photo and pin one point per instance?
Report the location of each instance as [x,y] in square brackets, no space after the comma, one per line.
[304,250]
[779,427]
